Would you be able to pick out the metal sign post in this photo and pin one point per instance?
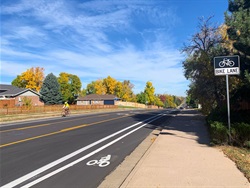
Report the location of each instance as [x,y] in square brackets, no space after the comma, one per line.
[227,65]
[228,110]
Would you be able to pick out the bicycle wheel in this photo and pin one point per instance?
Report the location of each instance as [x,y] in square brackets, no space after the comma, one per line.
[63,113]
[103,164]
[222,64]
[92,162]
[68,114]
[231,63]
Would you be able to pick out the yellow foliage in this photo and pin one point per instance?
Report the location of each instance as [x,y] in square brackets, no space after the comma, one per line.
[33,78]
[110,84]
[118,89]
[227,42]
[100,88]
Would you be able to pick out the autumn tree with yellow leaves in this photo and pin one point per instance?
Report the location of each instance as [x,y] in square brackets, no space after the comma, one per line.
[110,84]
[31,79]
[149,93]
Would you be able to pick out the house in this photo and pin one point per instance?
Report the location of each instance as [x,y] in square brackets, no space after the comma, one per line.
[14,96]
[95,99]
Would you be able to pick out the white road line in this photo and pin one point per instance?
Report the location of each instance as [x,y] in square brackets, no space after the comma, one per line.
[58,161]
[84,157]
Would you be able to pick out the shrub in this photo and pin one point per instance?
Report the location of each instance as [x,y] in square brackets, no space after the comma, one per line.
[241,134]
[219,132]
[27,102]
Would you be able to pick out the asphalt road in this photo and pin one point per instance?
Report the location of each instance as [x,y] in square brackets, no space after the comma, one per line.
[76,151]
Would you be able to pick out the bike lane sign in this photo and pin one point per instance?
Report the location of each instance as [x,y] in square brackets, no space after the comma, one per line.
[226,65]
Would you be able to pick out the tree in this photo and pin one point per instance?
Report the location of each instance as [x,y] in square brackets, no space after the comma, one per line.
[32,79]
[110,84]
[227,43]
[126,92]
[237,21]
[50,90]
[163,99]
[83,93]
[204,46]
[149,93]
[141,98]
[118,89]
[18,82]
[158,101]
[70,86]
[190,101]
[90,88]
[100,88]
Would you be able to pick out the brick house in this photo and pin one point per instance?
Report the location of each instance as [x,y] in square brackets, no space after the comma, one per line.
[95,99]
[14,96]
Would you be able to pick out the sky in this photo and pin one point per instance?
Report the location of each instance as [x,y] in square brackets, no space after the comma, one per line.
[136,40]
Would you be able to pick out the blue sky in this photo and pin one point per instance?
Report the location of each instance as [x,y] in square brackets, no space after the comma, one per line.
[136,40]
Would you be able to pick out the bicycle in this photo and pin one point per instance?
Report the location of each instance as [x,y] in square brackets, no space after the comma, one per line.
[226,62]
[65,113]
[104,161]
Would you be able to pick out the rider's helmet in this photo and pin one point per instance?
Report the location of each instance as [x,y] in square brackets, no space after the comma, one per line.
[65,102]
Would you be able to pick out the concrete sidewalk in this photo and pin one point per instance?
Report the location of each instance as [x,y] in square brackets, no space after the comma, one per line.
[182,158]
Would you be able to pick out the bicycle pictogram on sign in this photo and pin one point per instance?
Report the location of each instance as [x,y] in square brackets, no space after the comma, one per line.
[226,62]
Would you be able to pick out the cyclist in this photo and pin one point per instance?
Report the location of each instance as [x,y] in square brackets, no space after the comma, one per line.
[66,107]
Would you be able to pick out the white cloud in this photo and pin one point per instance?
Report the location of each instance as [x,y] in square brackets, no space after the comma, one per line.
[12,68]
[128,40]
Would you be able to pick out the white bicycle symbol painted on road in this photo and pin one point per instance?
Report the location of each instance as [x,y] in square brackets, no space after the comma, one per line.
[227,62]
[104,161]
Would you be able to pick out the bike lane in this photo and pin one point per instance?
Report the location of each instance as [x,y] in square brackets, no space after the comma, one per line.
[75,158]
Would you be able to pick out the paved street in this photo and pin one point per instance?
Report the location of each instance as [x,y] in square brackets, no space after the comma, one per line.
[72,151]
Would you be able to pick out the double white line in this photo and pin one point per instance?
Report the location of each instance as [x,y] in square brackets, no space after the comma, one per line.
[50,165]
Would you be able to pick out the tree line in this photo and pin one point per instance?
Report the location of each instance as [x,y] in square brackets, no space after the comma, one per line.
[68,87]
[230,38]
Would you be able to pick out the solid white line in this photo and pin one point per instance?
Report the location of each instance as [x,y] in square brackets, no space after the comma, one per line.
[58,161]
[84,157]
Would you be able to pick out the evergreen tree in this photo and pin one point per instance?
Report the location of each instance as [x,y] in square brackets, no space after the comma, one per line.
[50,90]
[238,24]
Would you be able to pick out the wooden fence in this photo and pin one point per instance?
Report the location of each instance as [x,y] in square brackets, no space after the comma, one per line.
[244,105]
[50,108]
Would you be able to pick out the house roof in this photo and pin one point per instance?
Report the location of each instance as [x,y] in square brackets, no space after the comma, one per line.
[97,97]
[13,91]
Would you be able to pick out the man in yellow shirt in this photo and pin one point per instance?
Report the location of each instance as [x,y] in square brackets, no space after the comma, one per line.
[66,108]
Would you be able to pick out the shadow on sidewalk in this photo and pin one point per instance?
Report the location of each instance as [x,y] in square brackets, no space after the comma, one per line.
[190,122]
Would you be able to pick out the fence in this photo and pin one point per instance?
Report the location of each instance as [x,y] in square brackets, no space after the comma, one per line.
[244,105]
[7,103]
[50,108]
[136,105]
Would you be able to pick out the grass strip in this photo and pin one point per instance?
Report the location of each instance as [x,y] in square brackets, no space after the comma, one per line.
[241,157]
